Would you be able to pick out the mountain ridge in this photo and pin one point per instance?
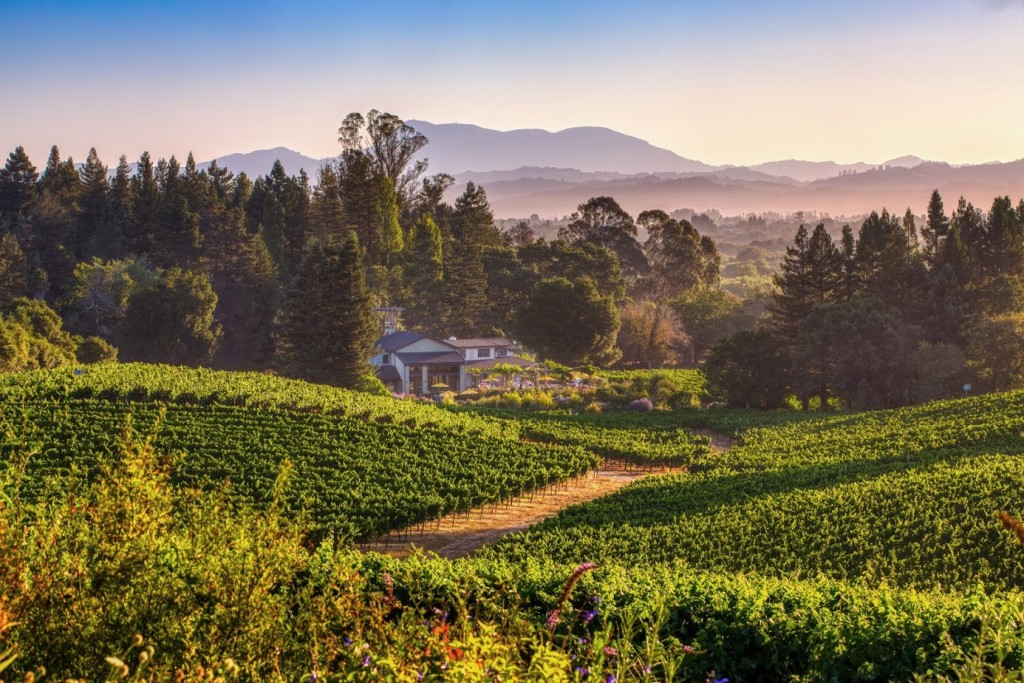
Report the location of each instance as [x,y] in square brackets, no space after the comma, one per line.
[533,171]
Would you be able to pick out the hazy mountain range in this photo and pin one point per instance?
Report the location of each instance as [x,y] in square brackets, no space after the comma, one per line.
[533,171]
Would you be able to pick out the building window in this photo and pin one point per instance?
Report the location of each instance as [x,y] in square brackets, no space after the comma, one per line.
[386,359]
[483,353]
[500,352]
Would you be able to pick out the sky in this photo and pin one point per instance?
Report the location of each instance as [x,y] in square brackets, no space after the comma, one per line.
[722,81]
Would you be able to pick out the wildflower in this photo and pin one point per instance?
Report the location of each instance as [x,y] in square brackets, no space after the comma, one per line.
[346,641]
[366,663]
[582,672]
[567,591]
[588,616]
[612,678]
[688,649]
[609,651]
[583,641]
[646,668]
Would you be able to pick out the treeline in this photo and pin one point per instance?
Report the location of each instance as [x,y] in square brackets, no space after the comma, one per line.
[174,263]
[891,316]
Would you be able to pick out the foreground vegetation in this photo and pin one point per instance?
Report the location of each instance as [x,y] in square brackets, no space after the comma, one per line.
[177,584]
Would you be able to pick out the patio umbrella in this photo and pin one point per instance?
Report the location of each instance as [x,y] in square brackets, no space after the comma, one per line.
[439,385]
[469,392]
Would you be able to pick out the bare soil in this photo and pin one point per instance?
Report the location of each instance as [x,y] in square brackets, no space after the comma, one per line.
[719,442]
[460,535]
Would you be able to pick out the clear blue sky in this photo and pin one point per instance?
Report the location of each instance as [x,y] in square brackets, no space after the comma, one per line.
[728,81]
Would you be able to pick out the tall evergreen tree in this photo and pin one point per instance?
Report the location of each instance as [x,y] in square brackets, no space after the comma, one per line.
[327,328]
[178,236]
[13,270]
[425,277]
[935,229]
[1002,249]
[243,276]
[92,203]
[887,266]
[140,235]
[17,185]
[327,208]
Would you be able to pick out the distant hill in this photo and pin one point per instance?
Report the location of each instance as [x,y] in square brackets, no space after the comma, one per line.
[260,162]
[808,171]
[895,188]
[532,171]
[458,147]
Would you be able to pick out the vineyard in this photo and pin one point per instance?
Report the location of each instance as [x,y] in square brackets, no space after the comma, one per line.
[362,465]
[907,497]
[818,548]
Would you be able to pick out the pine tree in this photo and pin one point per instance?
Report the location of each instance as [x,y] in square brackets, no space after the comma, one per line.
[848,278]
[327,328]
[17,185]
[245,280]
[935,228]
[13,270]
[811,274]
[1002,249]
[141,233]
[178,237]
[425,277]
[221,180]
[327,209]
[92,203]
[887,266]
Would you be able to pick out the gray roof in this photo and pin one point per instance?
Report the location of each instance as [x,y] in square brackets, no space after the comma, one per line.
[432,358]
[398,340]
[478,341]
[388,373]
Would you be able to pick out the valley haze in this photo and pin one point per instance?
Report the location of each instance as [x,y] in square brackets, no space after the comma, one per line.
[534,171]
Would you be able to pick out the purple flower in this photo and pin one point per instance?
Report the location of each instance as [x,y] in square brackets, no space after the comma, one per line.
[588,616]
[721,680]
[646,668]
[583,673]
[366,662]
[611,679]
[346,641]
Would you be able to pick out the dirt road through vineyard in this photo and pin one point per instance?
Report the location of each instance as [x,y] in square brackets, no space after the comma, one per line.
[459,535]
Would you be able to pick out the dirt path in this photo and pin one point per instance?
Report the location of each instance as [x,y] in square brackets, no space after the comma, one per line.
[460,535]
[719,442]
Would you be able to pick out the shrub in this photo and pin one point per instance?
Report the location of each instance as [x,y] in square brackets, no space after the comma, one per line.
[95,350]
[641,405]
